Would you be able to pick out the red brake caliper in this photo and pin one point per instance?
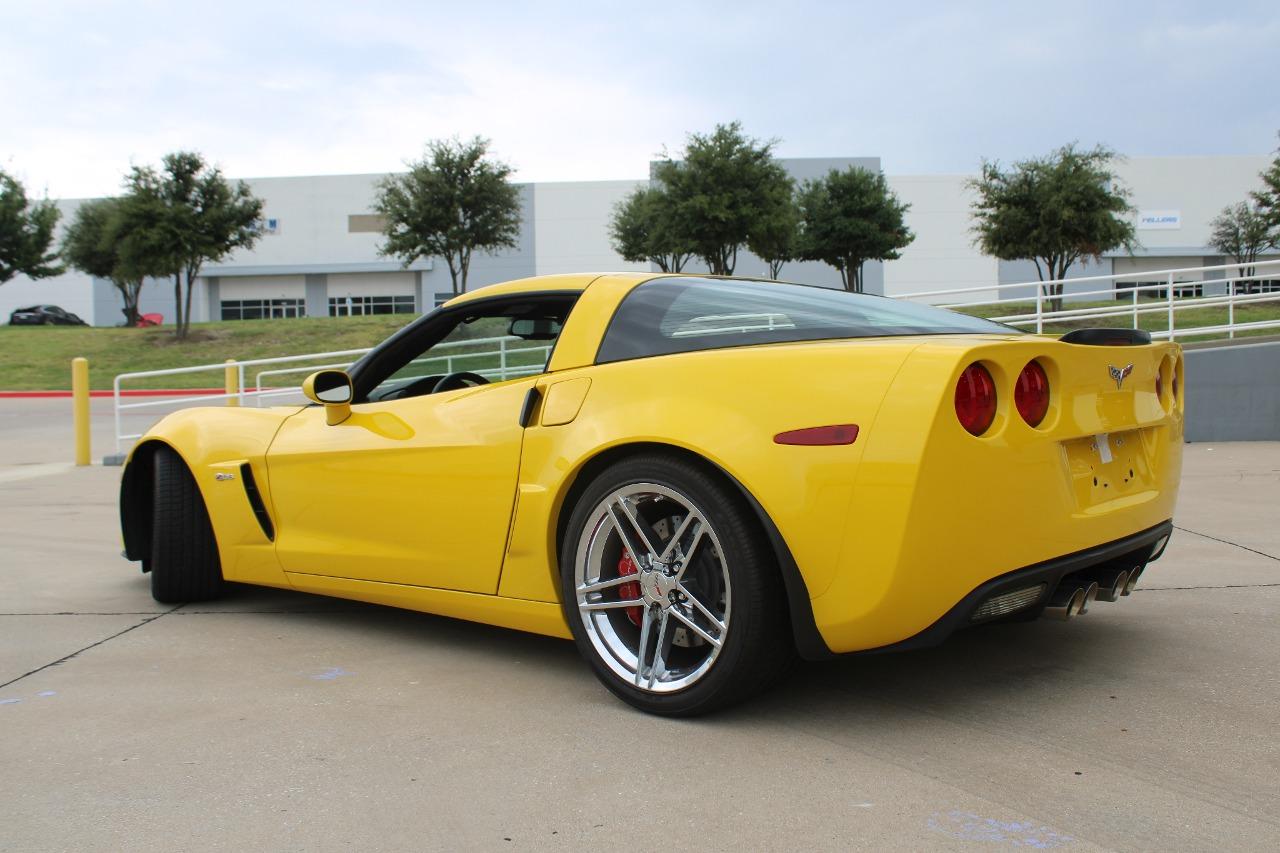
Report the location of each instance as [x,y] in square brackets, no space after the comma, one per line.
[627,566]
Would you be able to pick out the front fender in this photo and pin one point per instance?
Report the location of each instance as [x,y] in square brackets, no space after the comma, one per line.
[210,441]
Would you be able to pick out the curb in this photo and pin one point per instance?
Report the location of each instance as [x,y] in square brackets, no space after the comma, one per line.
[136,392]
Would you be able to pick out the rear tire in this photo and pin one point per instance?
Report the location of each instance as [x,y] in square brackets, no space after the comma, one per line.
[184,554]
[706,620]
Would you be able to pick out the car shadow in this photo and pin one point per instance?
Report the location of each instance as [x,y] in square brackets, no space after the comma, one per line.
[972,670]
[974,673]
[390,624]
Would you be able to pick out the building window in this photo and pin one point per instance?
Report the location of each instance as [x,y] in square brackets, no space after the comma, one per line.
[1180,289]
[356,306]
[1266,285]
[262,309]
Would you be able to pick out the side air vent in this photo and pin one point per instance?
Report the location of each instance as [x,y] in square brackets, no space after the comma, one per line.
[255,501]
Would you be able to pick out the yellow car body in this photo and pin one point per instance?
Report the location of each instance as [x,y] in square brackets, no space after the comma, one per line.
[446,503]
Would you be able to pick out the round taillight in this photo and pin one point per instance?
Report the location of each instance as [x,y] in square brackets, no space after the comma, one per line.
[1031,394]
[976,399]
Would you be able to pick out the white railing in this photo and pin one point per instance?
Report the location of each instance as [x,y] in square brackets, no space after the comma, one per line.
[261,390]
[714,324]
[1165,302]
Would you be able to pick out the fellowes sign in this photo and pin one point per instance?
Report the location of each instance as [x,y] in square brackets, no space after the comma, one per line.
[1159,220]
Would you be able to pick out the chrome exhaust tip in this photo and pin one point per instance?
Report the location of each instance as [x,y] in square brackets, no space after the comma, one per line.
[1065,605]
[1132,580]
[1090,596]
[1111,589]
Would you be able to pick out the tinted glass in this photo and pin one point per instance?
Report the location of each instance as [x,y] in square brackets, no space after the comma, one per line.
[670,315]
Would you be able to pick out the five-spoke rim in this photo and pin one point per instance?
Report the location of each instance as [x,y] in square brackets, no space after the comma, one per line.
[648,555]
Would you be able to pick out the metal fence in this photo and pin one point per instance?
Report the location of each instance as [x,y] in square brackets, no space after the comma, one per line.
[237,376]
[1126,293]
[1131,300]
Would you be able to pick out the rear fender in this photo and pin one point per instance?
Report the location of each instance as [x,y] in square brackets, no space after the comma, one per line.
[808,640]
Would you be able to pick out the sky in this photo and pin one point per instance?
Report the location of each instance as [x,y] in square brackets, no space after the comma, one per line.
[594,91]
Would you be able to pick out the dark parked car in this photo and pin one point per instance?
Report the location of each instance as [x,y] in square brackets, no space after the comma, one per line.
[44,315]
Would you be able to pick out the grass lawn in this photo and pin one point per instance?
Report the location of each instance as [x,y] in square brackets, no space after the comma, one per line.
[39,357]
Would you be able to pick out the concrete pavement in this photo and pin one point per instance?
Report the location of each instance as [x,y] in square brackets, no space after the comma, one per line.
[282,721]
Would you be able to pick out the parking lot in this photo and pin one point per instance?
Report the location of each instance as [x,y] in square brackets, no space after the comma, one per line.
[278,720]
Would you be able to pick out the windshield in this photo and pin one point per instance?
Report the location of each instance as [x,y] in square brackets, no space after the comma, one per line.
[670,315]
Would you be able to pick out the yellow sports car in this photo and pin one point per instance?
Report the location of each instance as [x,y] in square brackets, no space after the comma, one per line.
[693,478]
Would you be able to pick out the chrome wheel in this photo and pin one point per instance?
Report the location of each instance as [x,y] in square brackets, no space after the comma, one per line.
[652,587]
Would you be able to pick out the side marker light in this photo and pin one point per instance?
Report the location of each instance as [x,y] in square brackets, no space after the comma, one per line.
[819,436]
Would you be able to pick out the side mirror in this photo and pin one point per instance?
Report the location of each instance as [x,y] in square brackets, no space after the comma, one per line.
[333,390]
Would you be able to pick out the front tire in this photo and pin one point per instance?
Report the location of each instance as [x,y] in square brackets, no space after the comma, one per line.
[184,554]
[671,589]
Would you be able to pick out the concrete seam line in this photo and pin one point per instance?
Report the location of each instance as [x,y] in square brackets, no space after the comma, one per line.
[31,472]
[1052,748]
[66,658]
[1223,586]
[1229,542]
[183,613]
[84,613]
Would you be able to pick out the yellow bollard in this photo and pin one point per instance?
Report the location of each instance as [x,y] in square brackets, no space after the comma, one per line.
[80,407]
[232,382]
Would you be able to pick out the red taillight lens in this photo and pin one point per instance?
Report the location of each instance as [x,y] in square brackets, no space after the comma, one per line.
[1031,394]
[976,399]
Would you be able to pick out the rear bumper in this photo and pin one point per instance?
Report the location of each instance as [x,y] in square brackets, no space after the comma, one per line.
[1130,551]
[937,513]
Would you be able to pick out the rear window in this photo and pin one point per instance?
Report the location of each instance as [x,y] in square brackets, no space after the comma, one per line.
[670,315]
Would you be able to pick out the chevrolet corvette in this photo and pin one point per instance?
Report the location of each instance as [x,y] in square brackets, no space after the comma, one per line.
[695,479]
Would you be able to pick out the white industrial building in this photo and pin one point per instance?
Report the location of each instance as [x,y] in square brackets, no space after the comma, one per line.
[318,255]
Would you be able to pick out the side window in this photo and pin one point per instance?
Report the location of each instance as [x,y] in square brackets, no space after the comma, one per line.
[671,315]
[489,343]
[484,346]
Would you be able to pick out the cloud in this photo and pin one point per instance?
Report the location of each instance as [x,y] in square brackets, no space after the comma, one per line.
[593,90]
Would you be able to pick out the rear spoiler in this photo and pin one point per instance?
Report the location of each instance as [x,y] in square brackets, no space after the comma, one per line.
[1107,337]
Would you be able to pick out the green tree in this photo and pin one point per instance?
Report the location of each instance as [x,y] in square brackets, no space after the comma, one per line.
[722,189]
[176,219]
[1054,210]
[775,239]
[643,229]
[850,217]
[1268,198]
[1242,231]
[92,245]
[454,201]
[26,233]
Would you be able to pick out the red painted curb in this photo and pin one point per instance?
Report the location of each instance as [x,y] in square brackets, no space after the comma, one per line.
[135,392]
